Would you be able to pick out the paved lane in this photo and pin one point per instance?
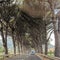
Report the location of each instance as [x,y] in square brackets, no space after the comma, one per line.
[32,57]
[24,57]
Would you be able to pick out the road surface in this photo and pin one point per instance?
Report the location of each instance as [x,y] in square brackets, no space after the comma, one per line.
[32,57]
[24,57]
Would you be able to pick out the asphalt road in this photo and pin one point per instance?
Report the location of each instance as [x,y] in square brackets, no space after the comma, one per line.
[32,57]
[24,57]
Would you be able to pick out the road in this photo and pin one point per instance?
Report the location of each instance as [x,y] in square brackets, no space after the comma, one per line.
[24,57]
[32,57]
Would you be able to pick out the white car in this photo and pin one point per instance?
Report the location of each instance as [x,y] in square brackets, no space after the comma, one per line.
[32,52]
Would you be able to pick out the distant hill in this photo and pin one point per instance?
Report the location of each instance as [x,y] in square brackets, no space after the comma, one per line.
[50,46]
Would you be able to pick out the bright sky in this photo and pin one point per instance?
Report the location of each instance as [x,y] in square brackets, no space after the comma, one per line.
[52,39]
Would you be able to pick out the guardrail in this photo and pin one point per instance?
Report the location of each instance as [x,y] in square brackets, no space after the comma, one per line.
[45,57]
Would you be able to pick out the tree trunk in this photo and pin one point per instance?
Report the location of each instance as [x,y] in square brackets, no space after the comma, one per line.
[57,34]
[41,49]
[38,49]
[22,47]
[14,45]
[57,42]
[18,47]
[4,43]
[4,39]
[46,48]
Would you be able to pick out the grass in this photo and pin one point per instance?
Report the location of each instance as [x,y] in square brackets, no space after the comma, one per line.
[1,57]
[51,54]
[1,50]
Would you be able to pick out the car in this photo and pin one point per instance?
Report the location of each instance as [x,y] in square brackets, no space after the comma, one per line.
[32,52]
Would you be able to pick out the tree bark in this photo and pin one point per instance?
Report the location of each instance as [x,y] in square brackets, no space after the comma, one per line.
[57,34]
[57,42]
[46,41]
[46,48]
[18,47]
[14,45]
[41,49]
[4,39]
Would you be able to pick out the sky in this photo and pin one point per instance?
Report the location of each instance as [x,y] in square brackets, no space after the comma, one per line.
[52,40]
[9,42]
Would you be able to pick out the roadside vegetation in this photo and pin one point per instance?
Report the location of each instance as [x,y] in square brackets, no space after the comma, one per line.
[51,54]
[1,50]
